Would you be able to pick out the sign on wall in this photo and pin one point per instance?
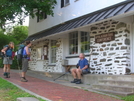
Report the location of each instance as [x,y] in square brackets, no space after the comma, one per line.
[105,37]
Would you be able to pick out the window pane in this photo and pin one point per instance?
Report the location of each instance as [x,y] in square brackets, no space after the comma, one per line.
[73,43]
[85,42]
[53,51]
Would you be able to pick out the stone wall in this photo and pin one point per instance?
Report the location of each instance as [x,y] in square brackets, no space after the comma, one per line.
[110,57]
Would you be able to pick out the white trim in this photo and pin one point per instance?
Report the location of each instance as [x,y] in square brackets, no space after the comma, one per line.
[79,42]
[132,45]
[38,59]
[50,55]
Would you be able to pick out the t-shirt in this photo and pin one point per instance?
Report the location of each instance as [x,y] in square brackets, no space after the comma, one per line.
[83,63]
[24,52]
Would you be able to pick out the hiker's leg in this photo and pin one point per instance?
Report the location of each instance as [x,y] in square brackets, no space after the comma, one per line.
[24,66]
[24,69]
[5,68]
[79,72]
[73,71]
[23,74]
[8,68]
[8,71]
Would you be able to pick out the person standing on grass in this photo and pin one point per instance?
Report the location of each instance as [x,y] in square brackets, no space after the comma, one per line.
[7,60]
[82,69]
[25,59]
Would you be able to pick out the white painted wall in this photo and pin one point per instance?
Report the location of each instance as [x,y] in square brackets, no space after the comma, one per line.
[74,10]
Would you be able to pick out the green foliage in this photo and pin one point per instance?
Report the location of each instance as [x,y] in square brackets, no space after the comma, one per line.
[11,92]
[128,98]
[10,9]
[15,64]
[4,40]
[20,33]
[1,63]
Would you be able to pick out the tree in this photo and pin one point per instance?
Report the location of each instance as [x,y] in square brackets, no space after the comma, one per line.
[19,33]
[10,9]
[5,39]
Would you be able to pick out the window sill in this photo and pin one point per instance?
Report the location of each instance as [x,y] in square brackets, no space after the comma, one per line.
[52,64]
[76,55]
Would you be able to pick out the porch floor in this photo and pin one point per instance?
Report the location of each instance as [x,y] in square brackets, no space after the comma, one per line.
[59,90]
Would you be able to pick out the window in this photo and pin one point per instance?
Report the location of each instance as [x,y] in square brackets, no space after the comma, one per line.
[43,16]
[85,42]
[64,3]
[53,51]
[39,53]
[73,43]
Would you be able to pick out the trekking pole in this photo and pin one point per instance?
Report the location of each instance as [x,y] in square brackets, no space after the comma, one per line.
[19,67]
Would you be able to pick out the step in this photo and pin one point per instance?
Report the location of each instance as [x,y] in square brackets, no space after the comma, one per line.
[114,88]
[27,99]
[115,92]
[117,82]
[119,77]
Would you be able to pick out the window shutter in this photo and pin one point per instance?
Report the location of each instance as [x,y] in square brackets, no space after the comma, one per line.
[62,3]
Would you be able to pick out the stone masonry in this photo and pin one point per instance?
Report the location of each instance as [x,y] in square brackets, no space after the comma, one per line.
[110,57]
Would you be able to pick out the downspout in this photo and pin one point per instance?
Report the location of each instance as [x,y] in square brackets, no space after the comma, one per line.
[132,45]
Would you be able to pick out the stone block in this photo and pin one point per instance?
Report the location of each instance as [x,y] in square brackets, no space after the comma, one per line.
[127,41]
[120,25]
[112,53]
[27,99]
[114,44]
[123,47]
[104,45]
[102,60]
[94,28]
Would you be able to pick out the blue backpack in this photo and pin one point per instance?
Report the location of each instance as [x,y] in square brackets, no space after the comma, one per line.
[20,52]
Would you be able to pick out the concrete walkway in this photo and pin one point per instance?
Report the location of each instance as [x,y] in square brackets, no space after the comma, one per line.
[56,90]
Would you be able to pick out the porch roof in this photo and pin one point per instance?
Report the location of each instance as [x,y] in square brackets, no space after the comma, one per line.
[105,13]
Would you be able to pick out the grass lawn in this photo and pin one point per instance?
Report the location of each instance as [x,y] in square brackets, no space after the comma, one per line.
[9,92]
[128,98]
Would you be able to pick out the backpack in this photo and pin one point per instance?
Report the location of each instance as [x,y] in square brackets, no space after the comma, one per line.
[20,52]
[2,54]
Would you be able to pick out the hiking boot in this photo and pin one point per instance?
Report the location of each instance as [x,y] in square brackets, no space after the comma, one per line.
[23,79]
[74,81]
[8,75]
[5,74]
[78,81]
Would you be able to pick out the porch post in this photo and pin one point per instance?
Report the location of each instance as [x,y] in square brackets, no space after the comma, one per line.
[132,45]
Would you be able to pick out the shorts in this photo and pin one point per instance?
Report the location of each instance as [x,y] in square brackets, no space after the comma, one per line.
[7,60]
[84,71]
[24,65]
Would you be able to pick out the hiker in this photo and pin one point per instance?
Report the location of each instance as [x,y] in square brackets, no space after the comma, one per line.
[25,59]
[7,59]
[82,69]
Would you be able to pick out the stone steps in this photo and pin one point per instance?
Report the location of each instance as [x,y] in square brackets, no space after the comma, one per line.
[114,88]
[119,77]
[115,92]
[117,82]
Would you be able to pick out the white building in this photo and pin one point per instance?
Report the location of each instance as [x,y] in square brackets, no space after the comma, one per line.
[103,28]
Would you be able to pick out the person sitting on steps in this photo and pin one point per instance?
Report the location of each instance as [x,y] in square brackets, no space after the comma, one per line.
[82,69]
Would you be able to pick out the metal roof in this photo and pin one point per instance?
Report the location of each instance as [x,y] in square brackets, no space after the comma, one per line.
[105,13]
